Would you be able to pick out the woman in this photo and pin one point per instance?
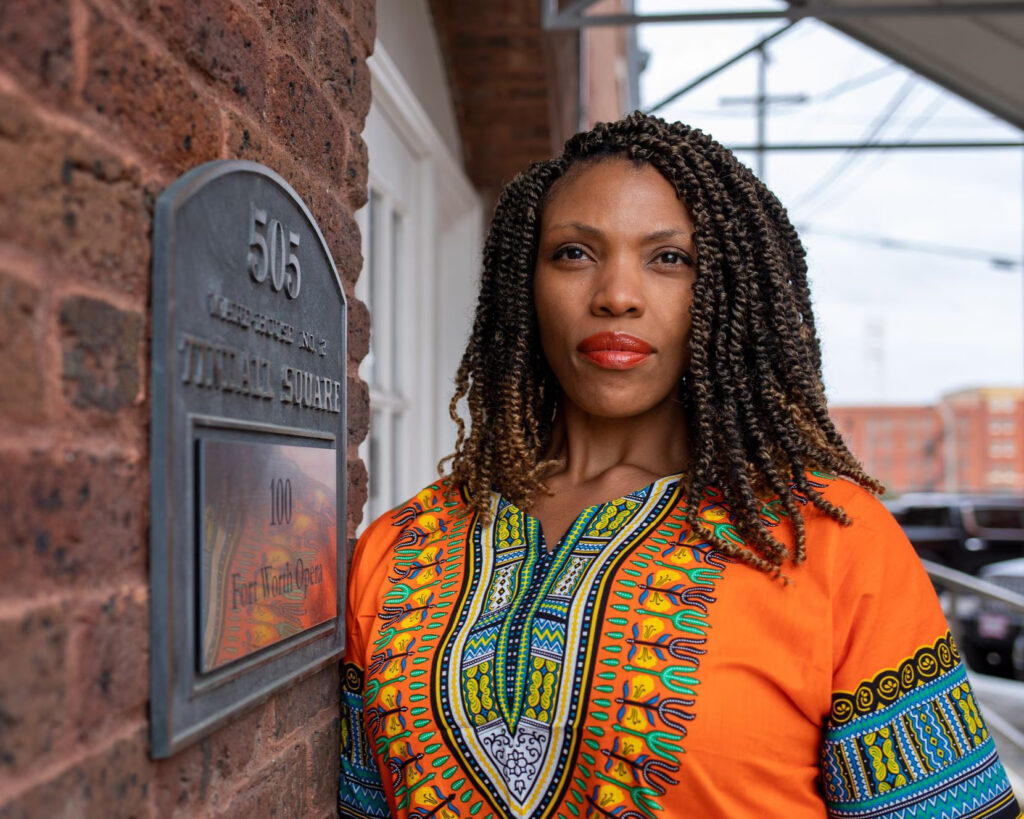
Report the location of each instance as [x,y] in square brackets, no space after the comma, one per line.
[732,625]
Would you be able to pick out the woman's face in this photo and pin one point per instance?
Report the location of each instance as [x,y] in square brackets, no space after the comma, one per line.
[616,263]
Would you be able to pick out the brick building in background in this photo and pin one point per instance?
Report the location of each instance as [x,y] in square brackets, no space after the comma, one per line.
[971,441]
[102,104]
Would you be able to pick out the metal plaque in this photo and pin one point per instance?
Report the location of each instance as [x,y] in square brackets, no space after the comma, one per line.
[268,546]
[248,448]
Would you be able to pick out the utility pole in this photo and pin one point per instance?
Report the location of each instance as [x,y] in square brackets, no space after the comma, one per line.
[762,108]
[761,102]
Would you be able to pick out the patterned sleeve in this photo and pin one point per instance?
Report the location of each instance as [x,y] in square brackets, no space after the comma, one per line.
[905,737]
[361,790]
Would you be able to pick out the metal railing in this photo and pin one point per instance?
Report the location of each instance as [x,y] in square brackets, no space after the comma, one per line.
[958,585]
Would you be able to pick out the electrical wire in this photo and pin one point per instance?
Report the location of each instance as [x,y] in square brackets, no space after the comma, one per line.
[850,158]
[914,125]
[998,261]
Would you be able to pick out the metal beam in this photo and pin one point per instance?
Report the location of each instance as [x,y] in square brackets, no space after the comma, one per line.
[575,8]
[564,20]
[876,146]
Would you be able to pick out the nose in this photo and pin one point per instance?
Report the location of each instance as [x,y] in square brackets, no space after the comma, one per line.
[618,289]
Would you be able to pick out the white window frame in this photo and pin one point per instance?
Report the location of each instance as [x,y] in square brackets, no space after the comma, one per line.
[442,236]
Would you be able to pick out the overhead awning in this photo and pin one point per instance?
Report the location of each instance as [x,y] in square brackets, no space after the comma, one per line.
[979,57]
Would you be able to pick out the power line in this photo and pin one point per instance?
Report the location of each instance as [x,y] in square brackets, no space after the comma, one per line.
[913,127]
[854,83]
[999,261]
[852,157]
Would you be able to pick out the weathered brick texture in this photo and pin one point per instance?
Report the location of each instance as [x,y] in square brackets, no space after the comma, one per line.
[514,85]
[102,104]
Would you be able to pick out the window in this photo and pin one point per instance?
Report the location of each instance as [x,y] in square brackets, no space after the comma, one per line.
[999,518]
[1001,449]
[381,288]
[1000,427]
[421,235]
[938,516]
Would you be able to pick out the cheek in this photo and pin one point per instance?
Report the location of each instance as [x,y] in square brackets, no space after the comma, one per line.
[550,306]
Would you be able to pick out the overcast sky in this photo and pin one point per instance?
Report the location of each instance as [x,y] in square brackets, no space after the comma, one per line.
[897,325]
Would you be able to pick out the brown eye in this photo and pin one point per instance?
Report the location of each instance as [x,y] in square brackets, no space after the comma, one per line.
[674,257]
[571,253]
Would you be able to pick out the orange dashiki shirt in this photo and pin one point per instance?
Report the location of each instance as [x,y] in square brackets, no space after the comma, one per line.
[635,671]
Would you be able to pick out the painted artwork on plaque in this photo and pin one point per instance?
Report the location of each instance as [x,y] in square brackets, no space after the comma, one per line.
[268,545]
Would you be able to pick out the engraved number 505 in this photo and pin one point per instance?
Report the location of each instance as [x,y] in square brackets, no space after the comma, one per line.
[271,252]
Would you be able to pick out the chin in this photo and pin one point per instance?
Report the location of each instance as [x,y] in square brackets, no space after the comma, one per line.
[602,404]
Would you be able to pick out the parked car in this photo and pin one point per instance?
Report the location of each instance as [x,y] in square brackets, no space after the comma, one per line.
[992,633]
[964,532]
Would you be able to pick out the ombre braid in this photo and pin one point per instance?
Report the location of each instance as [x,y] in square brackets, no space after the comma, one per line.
[756,406]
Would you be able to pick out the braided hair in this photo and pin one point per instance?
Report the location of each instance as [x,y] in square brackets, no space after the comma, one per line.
[755,401]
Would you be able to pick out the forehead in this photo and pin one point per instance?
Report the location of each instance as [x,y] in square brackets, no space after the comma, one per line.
[614,193]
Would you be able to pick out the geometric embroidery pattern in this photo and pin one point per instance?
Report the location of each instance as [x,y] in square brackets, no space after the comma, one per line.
[911,743]
[517,658]
[363,795]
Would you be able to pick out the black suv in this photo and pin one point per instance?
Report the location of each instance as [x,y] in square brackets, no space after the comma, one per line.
[964,532]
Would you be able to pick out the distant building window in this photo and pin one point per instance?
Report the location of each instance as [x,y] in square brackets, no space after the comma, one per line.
[996,405]
[1000,426]
[1001,449]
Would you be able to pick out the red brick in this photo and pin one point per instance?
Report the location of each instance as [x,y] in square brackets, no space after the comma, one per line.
[203,773]
[324,764]
[71,518]
[112,782]
[341,67]
[32,687]
[358,417]
[358,489]
[496,57]
[364,18]
[358,330]
[21,356]
[339,228]
[112,647]
[291,24]
[35,45]
[278,790]
[147,97]
[67,197]
[356,168]
[220,38]
[100,346]
[295,706]
[302,119]
[247,140]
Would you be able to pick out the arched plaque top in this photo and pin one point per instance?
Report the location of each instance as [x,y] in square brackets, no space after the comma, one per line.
[194,181]
[248,447]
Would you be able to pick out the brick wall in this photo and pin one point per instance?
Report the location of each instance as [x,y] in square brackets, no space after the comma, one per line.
[514,85]
[102,104]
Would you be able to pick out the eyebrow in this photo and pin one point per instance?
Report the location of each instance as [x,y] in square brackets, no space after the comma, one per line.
[656,236]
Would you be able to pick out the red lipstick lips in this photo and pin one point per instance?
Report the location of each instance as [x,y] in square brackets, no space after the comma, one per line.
[615,351]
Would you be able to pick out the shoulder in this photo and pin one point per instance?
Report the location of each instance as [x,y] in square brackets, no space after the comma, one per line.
[872,530]
[430,510]
[870,540]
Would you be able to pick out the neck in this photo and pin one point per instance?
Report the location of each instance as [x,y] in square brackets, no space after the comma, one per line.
[590,447]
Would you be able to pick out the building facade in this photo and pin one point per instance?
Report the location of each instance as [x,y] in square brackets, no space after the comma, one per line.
[970,441]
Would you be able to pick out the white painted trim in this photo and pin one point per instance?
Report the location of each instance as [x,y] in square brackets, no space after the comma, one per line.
[443,202]
[394,98]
